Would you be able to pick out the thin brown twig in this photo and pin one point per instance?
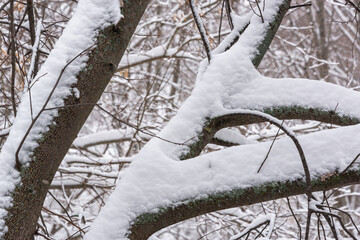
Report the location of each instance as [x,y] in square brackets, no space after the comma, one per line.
[253,228]
[17,161]
[228,13]
[293,214]
[357,8]
[201,28]
[30,13]
[136,128]
[349,166]
[221,18]
[69,221]
[56,200]
[268,153]
[339,219]
[12,50]
[260,12]
[4,5]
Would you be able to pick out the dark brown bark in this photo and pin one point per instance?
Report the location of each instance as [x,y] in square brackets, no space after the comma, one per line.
[215,124]
[147,224]
[13,57]
[29,196]
[31,19]
[263,45]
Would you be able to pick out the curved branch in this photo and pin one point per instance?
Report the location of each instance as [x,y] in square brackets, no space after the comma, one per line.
[281,112]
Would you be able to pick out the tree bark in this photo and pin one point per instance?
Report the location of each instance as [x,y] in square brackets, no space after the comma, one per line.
[28,197]
[147,224]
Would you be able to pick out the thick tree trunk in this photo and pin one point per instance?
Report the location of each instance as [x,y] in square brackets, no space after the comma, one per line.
[35,180]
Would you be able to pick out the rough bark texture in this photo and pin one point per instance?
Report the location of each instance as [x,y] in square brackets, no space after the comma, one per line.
[215,124]
[270,33]
[147,224]
[103,59]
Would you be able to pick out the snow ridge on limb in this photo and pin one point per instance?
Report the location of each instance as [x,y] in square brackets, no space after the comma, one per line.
[81,84]
[82,31]
[158,190]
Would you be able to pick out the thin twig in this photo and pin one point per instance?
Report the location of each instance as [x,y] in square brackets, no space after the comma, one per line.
[339,219]
[12,47]
[301,5]
[268,153]
[228,13]
[260,12]
[44,228]
[353,5]
[4,5]
[347,214]
[66,212]
[308,221]
[349,166]
[221,18]
[49,211]
[17,161]
[248,231]
[136,128]
[293,214]
[201,29]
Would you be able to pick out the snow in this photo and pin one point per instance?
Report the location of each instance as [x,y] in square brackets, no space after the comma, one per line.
[90,16]
[232,136]
[34,53]
[107,137]
[255,223]
[201,27]
[155,53]
[229,84]
[153,182]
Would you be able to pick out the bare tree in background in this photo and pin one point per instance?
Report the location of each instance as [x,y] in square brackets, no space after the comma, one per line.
[154,77]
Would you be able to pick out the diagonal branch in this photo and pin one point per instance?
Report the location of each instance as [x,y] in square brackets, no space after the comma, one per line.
[201,29]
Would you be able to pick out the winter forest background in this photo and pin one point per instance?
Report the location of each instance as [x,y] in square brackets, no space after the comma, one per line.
[316,40]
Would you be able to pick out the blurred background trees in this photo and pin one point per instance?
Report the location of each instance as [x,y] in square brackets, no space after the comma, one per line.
[317,40]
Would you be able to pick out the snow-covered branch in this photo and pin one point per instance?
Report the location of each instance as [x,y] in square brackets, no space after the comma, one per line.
[158,190]
[67,92]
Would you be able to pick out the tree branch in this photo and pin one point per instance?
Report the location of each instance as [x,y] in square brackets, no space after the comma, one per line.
[293,112]
[28,196]
[149,223]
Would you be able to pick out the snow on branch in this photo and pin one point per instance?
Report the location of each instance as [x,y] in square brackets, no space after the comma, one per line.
[201,28]
[257,222]
[104,137]
[158,190]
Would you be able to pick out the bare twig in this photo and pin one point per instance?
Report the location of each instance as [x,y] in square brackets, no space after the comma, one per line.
[221,18]
[4,5]
[136,128]
[352,162]
[228,13]
[201,28]
[30,13]
[357,8]
[56,200]
[301,5]
[324,213]
[260,12]
[49,211]
[13,57]
[17,161]
[268,153]
[247,231]
[293,214]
